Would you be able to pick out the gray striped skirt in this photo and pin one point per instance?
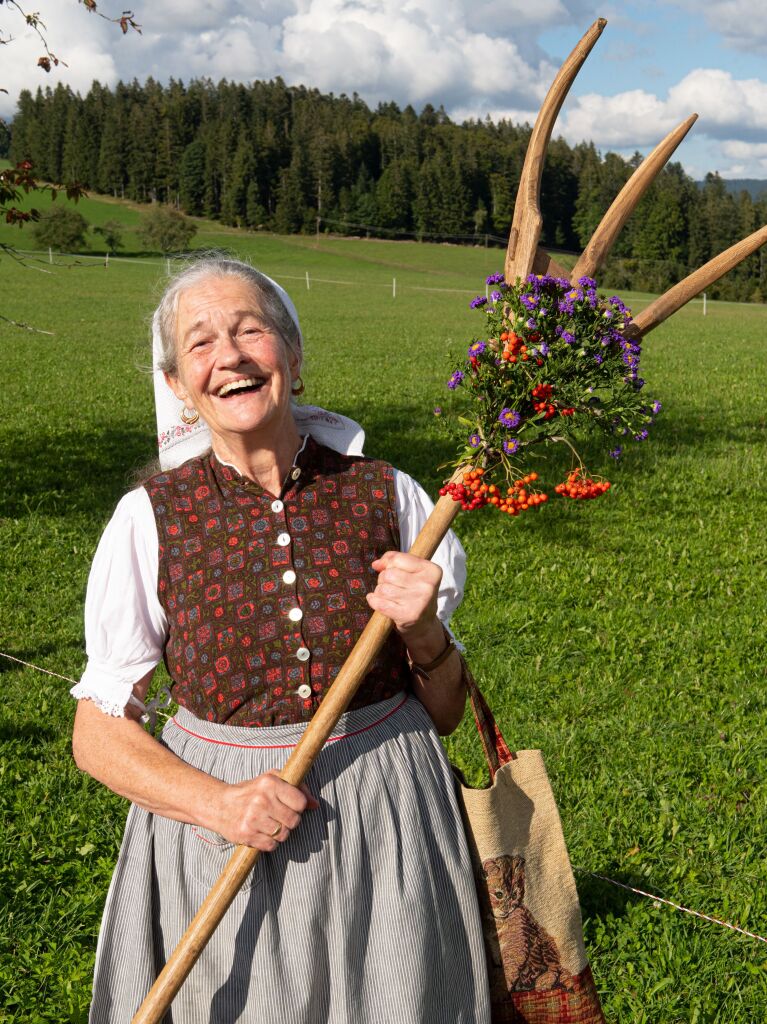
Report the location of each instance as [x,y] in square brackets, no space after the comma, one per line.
[367,914]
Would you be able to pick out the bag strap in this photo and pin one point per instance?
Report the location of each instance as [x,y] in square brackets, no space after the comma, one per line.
[497,752]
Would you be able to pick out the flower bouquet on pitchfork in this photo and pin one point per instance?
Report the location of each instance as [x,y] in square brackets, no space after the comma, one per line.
[554,361]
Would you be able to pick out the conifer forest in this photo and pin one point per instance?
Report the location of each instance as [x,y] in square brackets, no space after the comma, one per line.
[290,159]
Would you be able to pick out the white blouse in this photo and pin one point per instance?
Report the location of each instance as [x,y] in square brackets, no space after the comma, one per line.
[125,625]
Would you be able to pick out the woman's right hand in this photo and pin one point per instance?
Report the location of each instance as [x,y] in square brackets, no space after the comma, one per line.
[250,812]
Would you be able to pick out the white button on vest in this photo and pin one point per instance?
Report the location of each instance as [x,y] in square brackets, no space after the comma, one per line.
[303,653]
[295,474]
[283,540]
[304,691]
[288,576]
[277,505]
[295,615]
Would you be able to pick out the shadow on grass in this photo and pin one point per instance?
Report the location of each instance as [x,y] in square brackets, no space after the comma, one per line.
[706,427]
[71,471]
[601,899]
[12,730]
[75,470]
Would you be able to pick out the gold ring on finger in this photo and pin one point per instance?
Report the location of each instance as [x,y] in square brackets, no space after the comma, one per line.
[276,831]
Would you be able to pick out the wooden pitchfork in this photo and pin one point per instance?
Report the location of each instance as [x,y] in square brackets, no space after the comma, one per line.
[523,257]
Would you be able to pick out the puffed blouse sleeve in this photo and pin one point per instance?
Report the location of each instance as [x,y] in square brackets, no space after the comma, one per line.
[413,507]
[125,625]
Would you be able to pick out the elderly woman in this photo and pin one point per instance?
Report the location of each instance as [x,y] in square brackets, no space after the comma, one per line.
[251,569]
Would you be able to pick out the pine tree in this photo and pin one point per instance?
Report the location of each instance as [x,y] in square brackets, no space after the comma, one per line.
[192,179]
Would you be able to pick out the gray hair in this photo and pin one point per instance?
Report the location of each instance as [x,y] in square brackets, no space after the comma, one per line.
[272,308]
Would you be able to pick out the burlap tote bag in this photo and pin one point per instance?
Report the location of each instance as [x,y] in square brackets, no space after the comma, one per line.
[531,918]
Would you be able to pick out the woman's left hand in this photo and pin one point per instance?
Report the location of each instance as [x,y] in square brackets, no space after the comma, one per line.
[407,592]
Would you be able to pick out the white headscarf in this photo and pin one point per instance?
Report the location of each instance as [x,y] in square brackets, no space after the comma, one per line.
[178,441]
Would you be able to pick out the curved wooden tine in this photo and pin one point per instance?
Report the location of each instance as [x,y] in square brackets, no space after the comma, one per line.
[601,242]
[545,264]
[527,221]
[672,300]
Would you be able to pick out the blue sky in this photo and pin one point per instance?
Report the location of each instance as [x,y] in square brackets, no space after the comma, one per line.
[654,64]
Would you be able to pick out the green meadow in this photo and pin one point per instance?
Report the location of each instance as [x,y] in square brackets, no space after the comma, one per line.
[624,637]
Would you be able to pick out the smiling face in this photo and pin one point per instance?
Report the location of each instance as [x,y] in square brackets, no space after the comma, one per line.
[233,368]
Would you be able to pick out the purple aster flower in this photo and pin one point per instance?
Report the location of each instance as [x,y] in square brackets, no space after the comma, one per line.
[510,418]
[641,436]
[510,447]
[544,349]
[529,301]
[531,324]
[495,279]
[496,296]
[656,407]
[477,348]
[437,410]
[475,440]
[616,452]
[568,338]
[638,382]
[599,358]
[478,302]
[455,380]
[587,282]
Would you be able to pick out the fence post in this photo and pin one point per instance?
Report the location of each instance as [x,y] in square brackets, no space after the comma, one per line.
[704,303]
[307,280]
[50,255]
[106,261]
[394,287]
[167,266]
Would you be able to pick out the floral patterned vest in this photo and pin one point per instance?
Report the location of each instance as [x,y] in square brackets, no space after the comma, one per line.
[265,596]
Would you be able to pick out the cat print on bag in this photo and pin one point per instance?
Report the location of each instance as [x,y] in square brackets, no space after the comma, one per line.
[524,955]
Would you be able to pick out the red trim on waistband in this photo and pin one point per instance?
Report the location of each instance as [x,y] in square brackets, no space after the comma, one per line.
[288,746]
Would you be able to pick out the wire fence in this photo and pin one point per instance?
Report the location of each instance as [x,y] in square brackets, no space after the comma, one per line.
[44,259]
[657,901]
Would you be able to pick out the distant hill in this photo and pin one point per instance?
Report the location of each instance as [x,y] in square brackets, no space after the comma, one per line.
[755,186]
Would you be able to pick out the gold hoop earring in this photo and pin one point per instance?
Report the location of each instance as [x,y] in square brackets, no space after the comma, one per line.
[189,416]
[298,388]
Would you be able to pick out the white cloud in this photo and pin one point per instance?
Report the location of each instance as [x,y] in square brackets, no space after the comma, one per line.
[742,23]
[419,52]
[728,108]
[473,56]
[749,159]
[74,36]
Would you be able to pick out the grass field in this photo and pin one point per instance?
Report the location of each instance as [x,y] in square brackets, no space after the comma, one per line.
[624,637]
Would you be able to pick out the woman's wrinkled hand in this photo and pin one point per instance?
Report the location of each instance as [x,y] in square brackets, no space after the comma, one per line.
[262,812]
[406,592]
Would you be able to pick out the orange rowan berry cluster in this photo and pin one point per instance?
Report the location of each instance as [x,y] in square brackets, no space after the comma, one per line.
[518,498]
[541,394]
[582,488]
[474,493]
[514,348]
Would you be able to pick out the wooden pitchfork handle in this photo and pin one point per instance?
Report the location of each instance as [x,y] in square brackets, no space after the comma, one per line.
[333,705]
